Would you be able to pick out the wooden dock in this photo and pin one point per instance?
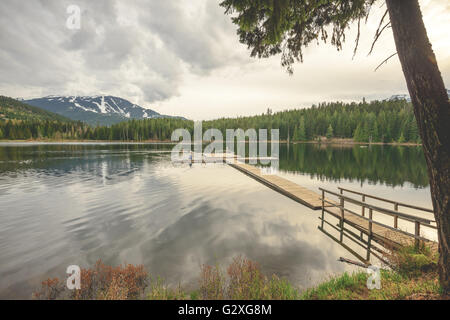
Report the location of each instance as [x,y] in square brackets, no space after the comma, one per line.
[380,233]
[360,227]
[288,188]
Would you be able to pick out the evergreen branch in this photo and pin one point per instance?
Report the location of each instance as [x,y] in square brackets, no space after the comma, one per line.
[379,32]
[385,61]
[357,38]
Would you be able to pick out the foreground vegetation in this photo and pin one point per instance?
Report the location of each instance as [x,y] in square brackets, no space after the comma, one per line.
[415,277]
[377,121]
[242,280]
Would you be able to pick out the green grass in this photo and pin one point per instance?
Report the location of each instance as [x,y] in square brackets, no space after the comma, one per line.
[415,277]
[414,261]
[394,286]
[345,286]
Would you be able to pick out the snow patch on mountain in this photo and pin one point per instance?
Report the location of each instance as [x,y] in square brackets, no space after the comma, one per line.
[85,109]
[95,109]
[407,97]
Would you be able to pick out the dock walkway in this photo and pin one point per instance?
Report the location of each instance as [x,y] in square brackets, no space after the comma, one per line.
[288,188]
[364,222]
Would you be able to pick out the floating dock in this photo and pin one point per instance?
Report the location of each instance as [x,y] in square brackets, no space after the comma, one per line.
[288,188]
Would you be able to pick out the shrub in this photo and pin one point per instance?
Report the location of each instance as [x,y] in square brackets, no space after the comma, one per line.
[413,260]
[160,291]
[212,283]
[100,283]
[245,281]
[50,290]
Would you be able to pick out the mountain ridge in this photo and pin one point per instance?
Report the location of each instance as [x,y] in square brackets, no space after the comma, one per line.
[13,109]
[98,109]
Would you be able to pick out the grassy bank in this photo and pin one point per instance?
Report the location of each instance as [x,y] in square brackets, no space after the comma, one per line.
[394,286]
[415,277]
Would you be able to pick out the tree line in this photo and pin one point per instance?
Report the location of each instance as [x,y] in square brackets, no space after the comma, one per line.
[377,121]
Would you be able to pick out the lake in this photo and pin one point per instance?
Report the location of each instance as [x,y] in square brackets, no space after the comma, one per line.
[72,204]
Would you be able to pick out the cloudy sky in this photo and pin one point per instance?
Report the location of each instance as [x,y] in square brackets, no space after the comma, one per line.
[182,57]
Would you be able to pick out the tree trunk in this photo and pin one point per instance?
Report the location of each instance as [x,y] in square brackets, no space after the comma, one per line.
[432,110]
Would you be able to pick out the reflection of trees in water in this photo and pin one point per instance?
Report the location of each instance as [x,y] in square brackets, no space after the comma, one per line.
[101,160]
[392,165]
[358,243]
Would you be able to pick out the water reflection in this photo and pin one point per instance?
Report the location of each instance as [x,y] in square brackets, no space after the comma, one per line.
[361,245]
[390,165]
[75,204]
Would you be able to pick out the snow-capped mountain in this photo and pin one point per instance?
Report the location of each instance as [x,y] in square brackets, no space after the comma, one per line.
[397,97]
[104,110]
[407,97]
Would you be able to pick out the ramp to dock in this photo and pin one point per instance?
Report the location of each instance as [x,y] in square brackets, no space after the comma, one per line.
[363,220]
[380,233]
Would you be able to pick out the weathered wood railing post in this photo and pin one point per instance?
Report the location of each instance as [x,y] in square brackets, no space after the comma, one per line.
[363,207]
[363,211]
[369,241]
[342,218]
[323,207]
[396,217]
[417,233]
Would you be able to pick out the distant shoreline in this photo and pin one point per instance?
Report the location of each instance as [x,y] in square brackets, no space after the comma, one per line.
[346,142]
[339,141]
[88,141]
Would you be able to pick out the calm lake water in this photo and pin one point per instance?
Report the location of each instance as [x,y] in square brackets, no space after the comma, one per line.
[66,204]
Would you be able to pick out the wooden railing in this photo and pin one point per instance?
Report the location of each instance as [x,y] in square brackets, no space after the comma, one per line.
[418,221]
[395,203]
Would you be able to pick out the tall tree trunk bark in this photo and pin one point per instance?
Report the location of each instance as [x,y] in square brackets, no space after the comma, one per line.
[432,110]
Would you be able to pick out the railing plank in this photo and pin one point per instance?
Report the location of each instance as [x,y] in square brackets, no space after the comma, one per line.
[373,221]
[401,215]
[396,203]
[376,231]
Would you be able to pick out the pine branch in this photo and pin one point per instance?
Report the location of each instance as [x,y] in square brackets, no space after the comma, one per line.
[385,61]
[379,31]
[357,38]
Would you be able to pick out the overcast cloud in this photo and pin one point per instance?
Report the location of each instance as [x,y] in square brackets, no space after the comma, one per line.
[182,57]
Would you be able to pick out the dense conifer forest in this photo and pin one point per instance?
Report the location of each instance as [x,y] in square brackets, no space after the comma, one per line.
[377,121]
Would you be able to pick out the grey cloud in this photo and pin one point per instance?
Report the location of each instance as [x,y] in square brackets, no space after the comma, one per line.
[201,41]
[29,54]
[153,52]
